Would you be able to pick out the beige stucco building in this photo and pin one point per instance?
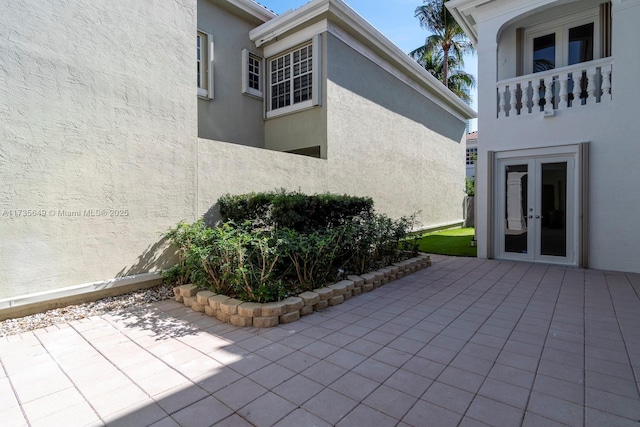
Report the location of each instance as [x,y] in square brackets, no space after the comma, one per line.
[107,141]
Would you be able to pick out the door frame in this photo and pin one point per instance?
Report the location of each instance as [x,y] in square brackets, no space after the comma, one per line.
[576,227]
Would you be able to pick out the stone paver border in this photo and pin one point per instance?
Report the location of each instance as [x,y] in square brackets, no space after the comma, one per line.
[244,314]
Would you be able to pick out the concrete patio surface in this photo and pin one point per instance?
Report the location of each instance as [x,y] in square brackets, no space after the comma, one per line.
[465,342]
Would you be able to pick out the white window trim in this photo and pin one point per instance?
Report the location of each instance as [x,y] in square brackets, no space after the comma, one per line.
[560,27]
[245,74]
[208,66]
[316,70]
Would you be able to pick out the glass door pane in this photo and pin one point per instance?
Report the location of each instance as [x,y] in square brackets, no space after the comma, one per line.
[544,53]
[581,44]
[553,212]
[516,208]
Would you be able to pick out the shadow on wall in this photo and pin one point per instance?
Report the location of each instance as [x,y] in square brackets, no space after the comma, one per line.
[157,256]
[389,92]
[212,217]
[161,254]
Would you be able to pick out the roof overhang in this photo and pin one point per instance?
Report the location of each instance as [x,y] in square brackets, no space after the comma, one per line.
[462,11]
[340,14]
[254,9]
[469,12]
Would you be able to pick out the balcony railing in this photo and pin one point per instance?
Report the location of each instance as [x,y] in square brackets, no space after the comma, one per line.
[575,86]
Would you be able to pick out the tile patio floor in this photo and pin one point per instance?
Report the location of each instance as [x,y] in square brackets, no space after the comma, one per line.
[465,342]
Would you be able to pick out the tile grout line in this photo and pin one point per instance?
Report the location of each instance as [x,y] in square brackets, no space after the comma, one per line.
[75,386]
[453,320]
[546,337]
[626,348]
[505,343]
[193,384]
[396,368]
[15,393]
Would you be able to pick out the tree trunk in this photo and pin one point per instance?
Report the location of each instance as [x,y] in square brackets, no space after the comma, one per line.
[445,66]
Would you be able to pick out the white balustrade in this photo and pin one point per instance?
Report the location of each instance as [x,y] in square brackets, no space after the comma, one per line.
[576,86]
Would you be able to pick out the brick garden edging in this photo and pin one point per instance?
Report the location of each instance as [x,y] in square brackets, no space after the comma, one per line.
[239,313]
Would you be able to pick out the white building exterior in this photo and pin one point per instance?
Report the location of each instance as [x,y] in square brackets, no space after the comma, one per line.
[557,177]
[472,154]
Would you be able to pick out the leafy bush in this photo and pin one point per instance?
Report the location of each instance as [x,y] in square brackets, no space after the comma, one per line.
[470,186]
[293,210]
[375,241]
[260,260]
[313,255]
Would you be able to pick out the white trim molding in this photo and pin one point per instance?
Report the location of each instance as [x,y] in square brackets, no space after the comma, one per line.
[207,92]
[39,302]
[339,14]
[246,74]
[254,9]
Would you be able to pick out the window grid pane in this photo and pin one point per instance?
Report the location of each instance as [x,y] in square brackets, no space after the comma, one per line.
[291,77]
[254,72]
[471,153]
[199,60]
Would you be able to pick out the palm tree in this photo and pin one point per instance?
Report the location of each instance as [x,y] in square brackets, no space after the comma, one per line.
[448,38]
[458,81]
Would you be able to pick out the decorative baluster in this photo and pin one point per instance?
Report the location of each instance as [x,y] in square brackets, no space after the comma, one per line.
[501,103]
[591,85]
[548,94]
[564,92]
[513,100]
[577,89]
[536,87]
[526,98]
[606,85]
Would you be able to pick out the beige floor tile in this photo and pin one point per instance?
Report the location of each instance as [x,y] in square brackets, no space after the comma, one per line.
[79,414]
[52,403]
[13,417]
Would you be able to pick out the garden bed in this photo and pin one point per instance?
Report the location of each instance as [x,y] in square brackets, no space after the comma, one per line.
[243,314]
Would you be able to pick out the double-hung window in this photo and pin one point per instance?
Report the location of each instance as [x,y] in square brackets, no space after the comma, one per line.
[293,79]
[204,64]
[252,71]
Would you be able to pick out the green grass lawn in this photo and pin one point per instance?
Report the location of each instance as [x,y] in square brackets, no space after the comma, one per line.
[455,242]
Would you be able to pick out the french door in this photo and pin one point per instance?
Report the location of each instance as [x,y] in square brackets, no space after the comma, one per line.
[536,204]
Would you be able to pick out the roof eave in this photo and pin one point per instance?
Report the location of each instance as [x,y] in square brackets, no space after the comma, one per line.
[253,9]
[465,20]
[339,12]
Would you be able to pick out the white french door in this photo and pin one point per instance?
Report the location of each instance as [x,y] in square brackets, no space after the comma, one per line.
[536,209]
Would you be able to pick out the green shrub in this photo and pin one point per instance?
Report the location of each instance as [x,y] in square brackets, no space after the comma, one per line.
[261,260]
[470,186]
[312,255]
[374,241]
[293,210]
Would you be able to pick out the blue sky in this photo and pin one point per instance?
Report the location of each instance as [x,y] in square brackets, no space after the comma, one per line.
[393,18]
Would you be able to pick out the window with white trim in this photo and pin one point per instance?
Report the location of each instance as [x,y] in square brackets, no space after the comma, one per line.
[472,155]
[204,64]
[292,77]
[252,66]
[564,41]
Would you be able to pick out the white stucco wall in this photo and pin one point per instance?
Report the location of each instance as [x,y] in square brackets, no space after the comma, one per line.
[98,111]
[614,239]
[391,143]
[230,116]
[99,151]
[228,168]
